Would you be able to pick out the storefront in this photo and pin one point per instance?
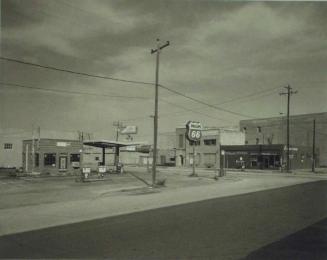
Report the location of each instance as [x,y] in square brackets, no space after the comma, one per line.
[264,156]
[52,156]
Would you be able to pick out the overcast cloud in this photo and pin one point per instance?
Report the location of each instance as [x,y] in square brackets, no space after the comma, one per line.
[219,51]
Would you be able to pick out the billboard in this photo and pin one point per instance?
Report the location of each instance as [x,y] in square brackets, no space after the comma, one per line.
[127,130]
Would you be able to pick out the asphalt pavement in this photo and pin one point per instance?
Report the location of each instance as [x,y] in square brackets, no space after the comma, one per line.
[220,228]
[309,243]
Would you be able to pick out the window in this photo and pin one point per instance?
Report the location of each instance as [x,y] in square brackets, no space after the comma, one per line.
[194,143]
[210,142]
[75,157]
[49,159]
[37,160]
[244,129]
[97,158]
[7,146]
[181,141]
[246,142]
[259,129]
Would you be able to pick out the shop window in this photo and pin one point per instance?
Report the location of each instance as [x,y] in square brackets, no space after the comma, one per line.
[7,146]
[37,160]
[210,142]
[49,159]
[194,143]
[75,157]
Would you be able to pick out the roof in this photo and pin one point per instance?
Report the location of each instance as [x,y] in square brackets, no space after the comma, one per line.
[110,144]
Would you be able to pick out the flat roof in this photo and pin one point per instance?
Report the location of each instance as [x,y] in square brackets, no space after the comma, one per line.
[109,143]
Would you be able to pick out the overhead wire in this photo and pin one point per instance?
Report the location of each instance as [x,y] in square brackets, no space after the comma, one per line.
[75,72]
[124,80]
[70,91]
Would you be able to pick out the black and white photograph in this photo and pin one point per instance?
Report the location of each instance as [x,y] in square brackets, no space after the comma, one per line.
[163,129]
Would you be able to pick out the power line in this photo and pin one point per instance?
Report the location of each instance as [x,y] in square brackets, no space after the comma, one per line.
[188,109]
[128,81]
[204,103]
[75,72]
[68,91]
[254,95]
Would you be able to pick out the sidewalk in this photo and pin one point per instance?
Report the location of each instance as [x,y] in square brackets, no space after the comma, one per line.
[133,199]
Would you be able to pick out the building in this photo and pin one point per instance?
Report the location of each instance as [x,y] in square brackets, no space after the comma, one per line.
[11,141]
[10,152]
[264,156]
[207,150]
[52,156]
[268,131]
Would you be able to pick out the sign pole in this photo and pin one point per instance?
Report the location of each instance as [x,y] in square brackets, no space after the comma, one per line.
[193,166]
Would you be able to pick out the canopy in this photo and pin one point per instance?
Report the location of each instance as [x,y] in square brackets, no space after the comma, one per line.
[110,144]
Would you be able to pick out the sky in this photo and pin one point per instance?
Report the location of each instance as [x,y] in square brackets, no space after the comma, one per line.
[235,55]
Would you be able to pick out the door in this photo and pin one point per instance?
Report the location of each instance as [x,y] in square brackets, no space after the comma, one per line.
[63,163]
[163,159]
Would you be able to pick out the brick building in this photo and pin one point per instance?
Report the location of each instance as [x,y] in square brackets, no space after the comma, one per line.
[52,156]
[267,131]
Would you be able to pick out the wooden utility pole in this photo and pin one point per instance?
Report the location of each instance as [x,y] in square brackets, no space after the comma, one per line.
[288,93]
[314,146]
[33,150]
[155,134]
[118,125]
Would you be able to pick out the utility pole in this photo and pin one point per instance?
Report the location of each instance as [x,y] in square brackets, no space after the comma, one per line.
[288,93]
[118,126]
[155,134]
[314,146]
[33,149]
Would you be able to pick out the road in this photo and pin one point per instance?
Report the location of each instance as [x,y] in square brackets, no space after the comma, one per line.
[222,228]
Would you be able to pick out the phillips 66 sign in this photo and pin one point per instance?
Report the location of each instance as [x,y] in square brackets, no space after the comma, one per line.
[193,131]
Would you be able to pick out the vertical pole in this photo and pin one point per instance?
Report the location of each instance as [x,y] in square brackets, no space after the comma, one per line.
[118,126]
[288,130]
[26,157]
[38,137]
[314,146]
[155,134]
[224,170]
[117,130]
[288,93]
[155,131]
[33,150]
[103,156]
[193,166]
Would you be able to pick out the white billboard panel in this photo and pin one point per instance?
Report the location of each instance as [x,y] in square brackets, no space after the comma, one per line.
[130,129]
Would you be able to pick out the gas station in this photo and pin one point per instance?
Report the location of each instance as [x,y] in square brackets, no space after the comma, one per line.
[107,144]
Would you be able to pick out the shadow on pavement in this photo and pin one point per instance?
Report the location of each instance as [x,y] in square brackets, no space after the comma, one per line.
[309,243]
